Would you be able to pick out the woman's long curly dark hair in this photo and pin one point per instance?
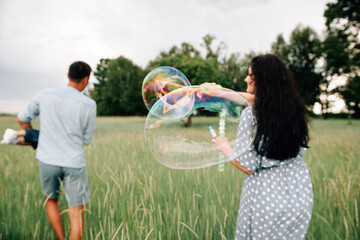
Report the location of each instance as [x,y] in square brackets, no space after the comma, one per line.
[279,109]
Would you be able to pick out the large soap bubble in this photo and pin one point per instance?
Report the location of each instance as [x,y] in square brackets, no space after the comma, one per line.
[160,82]
[179,147]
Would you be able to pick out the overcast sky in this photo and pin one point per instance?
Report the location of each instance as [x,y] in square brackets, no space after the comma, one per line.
[39,39]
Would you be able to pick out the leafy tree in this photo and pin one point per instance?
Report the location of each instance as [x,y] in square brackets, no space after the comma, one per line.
[118,91]
[335,64]
[100,87]
[101,70]
[342,48]
[232,70]
[301,55]
[350,92]
[188,60]
[280,48]
[238,67]
[348,10]
[212,54]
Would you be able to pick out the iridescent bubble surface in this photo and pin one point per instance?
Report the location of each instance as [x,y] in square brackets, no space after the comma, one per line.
[179,147]
[160,82]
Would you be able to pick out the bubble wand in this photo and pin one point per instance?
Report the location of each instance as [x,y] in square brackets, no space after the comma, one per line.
[222,134]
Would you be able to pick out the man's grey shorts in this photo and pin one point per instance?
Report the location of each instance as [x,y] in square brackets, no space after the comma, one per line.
[75,183]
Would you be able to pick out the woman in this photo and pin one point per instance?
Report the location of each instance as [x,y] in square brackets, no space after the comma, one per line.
[276,199]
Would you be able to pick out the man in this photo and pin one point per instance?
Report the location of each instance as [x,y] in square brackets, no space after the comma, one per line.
[67,123]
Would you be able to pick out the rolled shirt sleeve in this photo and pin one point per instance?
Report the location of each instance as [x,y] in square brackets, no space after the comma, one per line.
[31,111]
[244,151]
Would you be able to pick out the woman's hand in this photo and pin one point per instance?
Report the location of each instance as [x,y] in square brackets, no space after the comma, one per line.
[212,84]
[223,145]
[210,89]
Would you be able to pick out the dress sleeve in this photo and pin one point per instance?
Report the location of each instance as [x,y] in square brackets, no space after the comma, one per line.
[244,151]
[31,111]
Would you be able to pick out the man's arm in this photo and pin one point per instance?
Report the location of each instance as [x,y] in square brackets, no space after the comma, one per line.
[90,127]
[24,125]
[30,112]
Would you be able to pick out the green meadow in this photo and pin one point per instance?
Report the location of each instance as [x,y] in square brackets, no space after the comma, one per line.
[135,197]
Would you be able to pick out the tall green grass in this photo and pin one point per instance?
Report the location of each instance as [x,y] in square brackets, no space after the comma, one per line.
[134,197]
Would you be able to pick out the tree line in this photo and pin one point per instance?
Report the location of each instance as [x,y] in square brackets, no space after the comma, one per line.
[317,63]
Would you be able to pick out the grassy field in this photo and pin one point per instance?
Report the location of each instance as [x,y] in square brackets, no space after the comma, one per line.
[134,197]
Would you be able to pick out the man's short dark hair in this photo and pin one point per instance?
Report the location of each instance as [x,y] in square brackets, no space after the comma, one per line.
[78,70]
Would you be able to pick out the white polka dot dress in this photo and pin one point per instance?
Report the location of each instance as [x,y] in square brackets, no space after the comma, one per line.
[277,199]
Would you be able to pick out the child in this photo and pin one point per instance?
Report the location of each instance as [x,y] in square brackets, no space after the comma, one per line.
[11,136]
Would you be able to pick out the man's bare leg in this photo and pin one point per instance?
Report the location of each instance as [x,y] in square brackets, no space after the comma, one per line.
[76,215]
[53,213]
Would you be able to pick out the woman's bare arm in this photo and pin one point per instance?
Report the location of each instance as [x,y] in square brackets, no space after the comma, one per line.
[241,167]
[250,97]
[216,90]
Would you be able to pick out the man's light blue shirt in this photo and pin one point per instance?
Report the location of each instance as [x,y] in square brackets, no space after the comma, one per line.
[67,123]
